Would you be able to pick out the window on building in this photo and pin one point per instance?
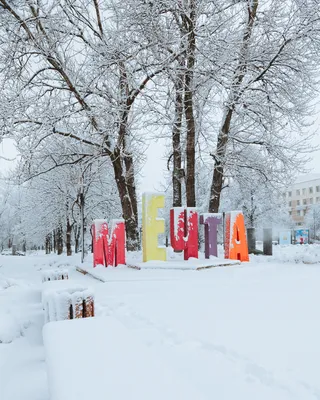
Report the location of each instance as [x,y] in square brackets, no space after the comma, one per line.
[304,191]
[318,189]
[318,200]
[304,212]
[289,194]
[311,200]
[310,190]
[290,203]
[304,202]
[290,212]
[299,223]
[298,202]
[298,192]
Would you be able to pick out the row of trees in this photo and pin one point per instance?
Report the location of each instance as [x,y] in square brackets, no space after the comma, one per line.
[50,210]
[83,83]
[53,208]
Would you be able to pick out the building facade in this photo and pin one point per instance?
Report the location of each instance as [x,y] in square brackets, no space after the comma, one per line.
[303,195]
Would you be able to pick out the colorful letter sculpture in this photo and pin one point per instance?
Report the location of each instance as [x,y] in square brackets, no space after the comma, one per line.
[211,222]
[109,244]
[152,226]
[236,247]
[184,231]
[109,247]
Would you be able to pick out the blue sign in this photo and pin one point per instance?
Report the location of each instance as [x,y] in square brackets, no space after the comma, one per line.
[285,237]
[301,236]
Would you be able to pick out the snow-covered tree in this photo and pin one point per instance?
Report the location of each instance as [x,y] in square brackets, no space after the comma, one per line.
[267,86]
[230,84]
[312,220]
[74,70]
[52,204]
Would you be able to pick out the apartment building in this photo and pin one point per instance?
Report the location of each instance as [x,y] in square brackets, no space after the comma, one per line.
[302,195]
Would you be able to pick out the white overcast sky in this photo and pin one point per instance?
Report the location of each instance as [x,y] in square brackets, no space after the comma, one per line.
[7,150]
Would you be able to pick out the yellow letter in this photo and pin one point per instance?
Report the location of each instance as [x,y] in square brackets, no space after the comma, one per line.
[152,226]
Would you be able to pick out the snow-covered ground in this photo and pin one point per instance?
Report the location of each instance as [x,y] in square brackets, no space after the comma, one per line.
[244,332]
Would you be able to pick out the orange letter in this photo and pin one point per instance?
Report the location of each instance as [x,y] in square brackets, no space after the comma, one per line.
[236,247]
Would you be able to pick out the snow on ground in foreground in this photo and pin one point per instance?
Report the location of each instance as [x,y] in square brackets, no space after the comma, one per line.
[246,332]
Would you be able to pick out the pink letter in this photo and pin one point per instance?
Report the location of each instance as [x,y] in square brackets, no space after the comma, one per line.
[100,242]
[108,247]
[184,231]
[177,228]
[117,243]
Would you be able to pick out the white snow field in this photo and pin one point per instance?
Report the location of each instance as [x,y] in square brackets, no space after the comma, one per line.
[250,331]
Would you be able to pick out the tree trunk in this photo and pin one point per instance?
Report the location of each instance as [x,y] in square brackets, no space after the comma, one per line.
[252,216]
[234,96]
[177,172]
[128,202]
[189,108]
[59,240]
[54,241]
[48,244]
[68,237]
[122,161]
[83,225]
[77,232]
[76,243]
[131,186]
[218,171]
[91,233]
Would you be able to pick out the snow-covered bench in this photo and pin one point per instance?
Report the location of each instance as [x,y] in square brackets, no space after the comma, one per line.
[99,359]
[63,299]
[54,275]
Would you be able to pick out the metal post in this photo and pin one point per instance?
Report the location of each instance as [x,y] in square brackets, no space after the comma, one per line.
[251,234]
[267,242]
